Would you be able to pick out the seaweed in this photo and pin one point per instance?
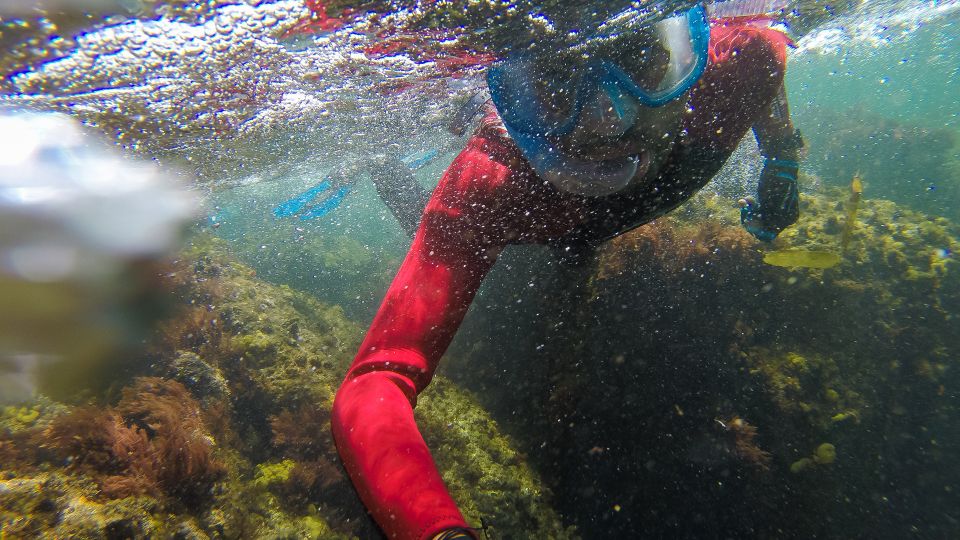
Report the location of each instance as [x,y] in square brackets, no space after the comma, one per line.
[153,442]
[304,436]
[744,442]
[304,433]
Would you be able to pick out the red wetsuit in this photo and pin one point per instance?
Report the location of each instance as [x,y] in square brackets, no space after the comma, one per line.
[490,197]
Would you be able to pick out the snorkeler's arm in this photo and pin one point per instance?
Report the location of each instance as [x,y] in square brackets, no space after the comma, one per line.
[778,204]
[775,133]
[372,417]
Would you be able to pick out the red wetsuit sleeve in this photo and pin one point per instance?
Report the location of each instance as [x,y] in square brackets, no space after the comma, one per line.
[372,419]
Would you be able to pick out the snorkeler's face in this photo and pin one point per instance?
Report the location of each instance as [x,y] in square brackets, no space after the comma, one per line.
[651,131]
[570,75]
[610,122]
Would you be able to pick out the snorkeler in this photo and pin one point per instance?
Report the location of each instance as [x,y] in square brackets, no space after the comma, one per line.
[578,146]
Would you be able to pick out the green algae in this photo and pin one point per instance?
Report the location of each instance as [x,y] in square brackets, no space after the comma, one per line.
[799,258]
[20,416]
[682,323]
[825,454]
[268,474]
[249,351]
[255,351]
[488,477]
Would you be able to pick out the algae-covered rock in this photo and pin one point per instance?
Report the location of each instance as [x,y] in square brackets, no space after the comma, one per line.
[619,377]
[679,327]
[57,505]
[486,474]
[273,473]
[265,362]
[825,454]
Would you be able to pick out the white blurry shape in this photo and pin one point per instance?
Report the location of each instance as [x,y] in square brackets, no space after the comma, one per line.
[17,143]
[43,262]
[60,184]
[78,222]
[28,7]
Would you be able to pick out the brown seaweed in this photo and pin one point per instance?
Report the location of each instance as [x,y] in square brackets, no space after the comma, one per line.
[153,442]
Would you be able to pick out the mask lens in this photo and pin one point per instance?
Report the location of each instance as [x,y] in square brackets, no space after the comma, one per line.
[676,36]
[671,61]
[643,59]
[545,96]
[557,83]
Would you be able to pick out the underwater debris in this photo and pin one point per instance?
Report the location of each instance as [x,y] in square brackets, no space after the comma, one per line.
[153,442]
[800,258]
[744,439]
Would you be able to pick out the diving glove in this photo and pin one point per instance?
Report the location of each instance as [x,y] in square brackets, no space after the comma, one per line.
[779,201]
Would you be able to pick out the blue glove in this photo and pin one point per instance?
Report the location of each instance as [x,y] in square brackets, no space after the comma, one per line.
[779,201]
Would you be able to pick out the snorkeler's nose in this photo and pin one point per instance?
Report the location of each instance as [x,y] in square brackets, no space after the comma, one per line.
[608,115]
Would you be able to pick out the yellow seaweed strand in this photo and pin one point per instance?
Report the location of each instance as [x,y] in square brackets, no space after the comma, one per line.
[856,189]
[800,258]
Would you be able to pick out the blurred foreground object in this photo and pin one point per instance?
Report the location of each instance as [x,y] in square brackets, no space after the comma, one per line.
[81,231]
[28,7]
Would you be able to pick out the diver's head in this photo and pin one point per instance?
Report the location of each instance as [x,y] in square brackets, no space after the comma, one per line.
[588,117]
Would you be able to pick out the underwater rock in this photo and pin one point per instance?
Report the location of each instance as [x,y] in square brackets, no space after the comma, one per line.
[487,476]
[258,460]
[680,323]
[202,379]
[675,325]
[58,505]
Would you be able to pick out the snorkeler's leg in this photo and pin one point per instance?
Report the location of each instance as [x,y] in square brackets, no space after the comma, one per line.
[372,418]
[327,205]
[296,204]
[400,191]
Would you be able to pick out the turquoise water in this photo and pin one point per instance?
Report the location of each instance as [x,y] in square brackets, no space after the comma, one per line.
[909,77]
[883,105]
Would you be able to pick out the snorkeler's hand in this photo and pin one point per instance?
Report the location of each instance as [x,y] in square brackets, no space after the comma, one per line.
[750,219]
[779,201]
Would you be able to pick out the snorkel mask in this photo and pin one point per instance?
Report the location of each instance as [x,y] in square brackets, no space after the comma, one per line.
[597,86]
